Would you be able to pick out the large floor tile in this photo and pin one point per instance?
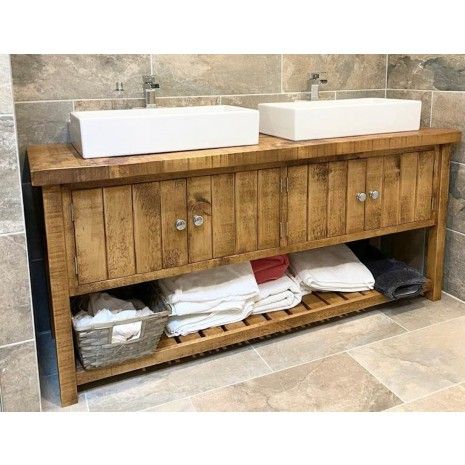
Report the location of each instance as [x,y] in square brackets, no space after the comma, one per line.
[178,381]
[321,341]
[335,383]
[421,312]
[49,388]
[418,363]
[448,400]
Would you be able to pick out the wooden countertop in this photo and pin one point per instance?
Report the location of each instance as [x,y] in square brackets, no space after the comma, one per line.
[55,164]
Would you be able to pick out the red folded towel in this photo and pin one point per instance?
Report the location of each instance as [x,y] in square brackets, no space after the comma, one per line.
[268,269]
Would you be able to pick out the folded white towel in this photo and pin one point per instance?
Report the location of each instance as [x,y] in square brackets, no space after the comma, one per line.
[182,325]
[206,291]
[104,308]
[279,294]
[334,268]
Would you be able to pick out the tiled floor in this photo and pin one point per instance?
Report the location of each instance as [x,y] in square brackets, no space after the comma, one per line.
[398,357]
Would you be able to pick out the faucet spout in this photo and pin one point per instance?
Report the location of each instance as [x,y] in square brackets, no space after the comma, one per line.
[315,82]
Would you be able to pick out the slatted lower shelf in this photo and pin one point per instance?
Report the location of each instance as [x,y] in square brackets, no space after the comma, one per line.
[314,307]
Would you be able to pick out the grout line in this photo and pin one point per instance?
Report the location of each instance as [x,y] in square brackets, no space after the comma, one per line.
[18,343]
[151,64]
[396,322]
[431,110]
[457,162]
[454,297]
[282,59]
[386,76]
[454,231]
[13,233]
[261,358]
[86,401]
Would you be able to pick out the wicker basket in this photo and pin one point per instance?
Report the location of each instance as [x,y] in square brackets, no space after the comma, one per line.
[95,347]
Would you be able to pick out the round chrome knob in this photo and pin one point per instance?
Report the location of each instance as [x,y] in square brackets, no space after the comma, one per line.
[361,196]
[374,194]
[198,220]
[180,224]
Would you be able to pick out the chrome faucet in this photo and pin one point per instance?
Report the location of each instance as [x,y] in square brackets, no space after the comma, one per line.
[149,83]
[315,81]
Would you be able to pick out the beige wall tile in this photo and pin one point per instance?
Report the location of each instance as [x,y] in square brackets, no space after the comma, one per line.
[15,306]
[454,264]
[449,112]
[178,381]
[11,215]
[344,94]
[421,312]
[335,383]
[426,72]
[456,208]
[6,98]
[327,339]
[348,72]
[425,98]
[448,400]
[182,101]
[217,74]
[418,363]
[19,383]
[110,104]
[63,77]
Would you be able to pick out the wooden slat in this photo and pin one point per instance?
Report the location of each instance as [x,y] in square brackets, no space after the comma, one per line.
[213,331]
[337,198]
[317,201]
[408,184]
[173,207]
[235,325]
[147,226]
[89,230]
[189,337]
[268,208]
[199,202]
[119,231]
[297,180]
[246,211]
[298,309]
[331,298]
[166,342]
[255,319]
[391,191]
[282,321]
[223,215]
[312,301]
[356,177]
[374,182]
[424,186]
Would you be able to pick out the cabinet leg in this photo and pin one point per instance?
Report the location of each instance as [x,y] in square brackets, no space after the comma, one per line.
[437,234]
[60,300]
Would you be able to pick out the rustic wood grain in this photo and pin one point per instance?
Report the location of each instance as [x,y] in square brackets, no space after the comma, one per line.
[317,201]
[268,208]
[246,189]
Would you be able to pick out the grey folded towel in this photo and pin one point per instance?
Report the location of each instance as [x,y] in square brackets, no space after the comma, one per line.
[393,278]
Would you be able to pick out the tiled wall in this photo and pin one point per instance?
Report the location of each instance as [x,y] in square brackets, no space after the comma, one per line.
[19,389]
[439,81]
[48,87]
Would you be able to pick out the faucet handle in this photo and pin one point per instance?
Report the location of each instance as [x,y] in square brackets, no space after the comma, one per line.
[150,82]
[316,77]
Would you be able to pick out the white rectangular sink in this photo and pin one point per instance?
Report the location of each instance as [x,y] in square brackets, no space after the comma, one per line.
[155,130]
[304,120]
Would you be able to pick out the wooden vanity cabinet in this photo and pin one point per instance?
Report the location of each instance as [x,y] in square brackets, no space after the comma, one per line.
[120,221]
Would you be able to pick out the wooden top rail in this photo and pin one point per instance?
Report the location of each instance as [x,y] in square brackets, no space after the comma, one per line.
[57,164]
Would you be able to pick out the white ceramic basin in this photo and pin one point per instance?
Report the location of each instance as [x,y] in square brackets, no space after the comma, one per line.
[321,119]
[154,130]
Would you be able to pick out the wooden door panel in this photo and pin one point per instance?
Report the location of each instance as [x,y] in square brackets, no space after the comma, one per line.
[223,215]
[356,183]
[317,201]
[119,231]
[297,199]
[246,189]
[268,208]
[89,233]
[199,203]
[374,183]
[147,226]
[391,192]
[173,207]
[424,191]
[337,198]
[408,183]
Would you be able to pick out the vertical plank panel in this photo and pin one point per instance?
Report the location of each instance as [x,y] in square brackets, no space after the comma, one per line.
[297,197]
[268,208]
[246,211]
[147,226]
[374,182]
[89,232]
[173,207]
[337,195]
[199,200]
[119,231]
[424,186]
[356,183]
[223,211]
[391,192]
[408,182]
[317,200]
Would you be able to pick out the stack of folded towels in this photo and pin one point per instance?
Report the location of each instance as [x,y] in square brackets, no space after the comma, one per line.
[209,298]
[278,290]
[334,268]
